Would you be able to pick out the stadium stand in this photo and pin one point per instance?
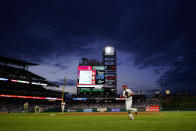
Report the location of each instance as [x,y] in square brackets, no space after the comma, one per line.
[18,85]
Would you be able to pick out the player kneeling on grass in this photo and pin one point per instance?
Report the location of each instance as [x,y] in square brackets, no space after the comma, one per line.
[127,93]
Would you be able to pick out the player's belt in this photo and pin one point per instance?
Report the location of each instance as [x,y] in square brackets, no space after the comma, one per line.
[128,96]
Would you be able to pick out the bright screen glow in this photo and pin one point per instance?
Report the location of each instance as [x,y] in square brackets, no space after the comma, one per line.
[92,77]
[85,77]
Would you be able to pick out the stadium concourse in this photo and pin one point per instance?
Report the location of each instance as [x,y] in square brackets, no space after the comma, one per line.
[18,86]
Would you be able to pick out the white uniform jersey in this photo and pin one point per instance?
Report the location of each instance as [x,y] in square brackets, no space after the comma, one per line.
[63,104]
[127,97]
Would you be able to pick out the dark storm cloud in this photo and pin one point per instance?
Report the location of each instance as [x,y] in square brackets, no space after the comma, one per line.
[158,34]
[161,35]
[40,28]
[68,82]
[157,24]
[60,66]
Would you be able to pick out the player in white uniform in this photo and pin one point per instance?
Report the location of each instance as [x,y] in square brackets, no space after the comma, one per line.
[127,93]
[63,107]
[26,106]
[37,109]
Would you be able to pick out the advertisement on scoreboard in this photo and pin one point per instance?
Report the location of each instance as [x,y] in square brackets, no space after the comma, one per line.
[91,76]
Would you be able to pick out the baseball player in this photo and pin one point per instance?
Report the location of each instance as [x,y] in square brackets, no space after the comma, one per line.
[63,107]
[37,109]
[26,105]
[127,93]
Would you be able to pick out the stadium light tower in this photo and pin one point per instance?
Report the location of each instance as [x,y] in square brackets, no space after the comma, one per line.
[109,61]
[109,50]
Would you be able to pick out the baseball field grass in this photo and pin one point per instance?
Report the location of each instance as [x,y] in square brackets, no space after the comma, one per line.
[160,121]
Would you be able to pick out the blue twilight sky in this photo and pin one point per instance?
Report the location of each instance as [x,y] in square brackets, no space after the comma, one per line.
[154,39]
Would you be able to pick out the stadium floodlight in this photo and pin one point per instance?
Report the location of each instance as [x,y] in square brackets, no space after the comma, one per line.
[109,50]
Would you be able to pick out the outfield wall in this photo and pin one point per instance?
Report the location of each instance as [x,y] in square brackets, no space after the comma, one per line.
[93,110]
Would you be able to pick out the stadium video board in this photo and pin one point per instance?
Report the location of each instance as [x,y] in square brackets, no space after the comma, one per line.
[91,76]
[86,77]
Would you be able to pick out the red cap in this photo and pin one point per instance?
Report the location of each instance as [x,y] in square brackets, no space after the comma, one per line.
[124,86]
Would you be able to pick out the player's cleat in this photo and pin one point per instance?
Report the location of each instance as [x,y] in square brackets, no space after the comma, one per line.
[131,119]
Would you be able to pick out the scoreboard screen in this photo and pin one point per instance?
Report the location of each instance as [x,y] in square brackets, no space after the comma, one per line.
[91,76]
[85,77]
[100,77]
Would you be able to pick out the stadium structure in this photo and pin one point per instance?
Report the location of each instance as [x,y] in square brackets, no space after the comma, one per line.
[96,89]
[98,78]
[18,85]
[97,83]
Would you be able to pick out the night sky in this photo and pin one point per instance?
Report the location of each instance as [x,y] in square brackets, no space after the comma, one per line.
[153,38]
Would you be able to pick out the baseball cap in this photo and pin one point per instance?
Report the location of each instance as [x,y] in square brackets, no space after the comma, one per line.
[124,86]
